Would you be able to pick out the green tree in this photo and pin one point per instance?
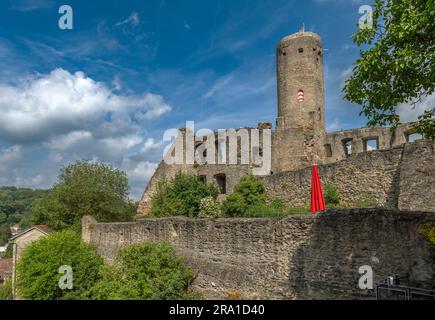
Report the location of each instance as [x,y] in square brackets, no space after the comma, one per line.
[399,65]
[426,124]
[15,207]
[332,196]
[146,271]
[180,196]
[249,191]
[38,268]
[85,188]
[5,234]
[6,290]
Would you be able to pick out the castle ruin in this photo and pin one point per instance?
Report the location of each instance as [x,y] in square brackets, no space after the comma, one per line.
[300,138]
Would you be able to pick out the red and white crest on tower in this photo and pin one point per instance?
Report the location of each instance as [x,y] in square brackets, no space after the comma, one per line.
[300,96]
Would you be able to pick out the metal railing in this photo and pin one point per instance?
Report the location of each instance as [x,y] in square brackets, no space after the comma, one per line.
[390,289]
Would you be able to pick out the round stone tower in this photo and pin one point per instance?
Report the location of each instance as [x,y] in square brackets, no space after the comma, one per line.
[300,127]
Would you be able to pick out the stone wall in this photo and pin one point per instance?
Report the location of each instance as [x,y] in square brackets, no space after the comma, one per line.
[385,137]
[417,177]
[401,177]
[297,257]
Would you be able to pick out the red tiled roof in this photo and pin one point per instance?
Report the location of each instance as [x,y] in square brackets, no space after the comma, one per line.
[5,267]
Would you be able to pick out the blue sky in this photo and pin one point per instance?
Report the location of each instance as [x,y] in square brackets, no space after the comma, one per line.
[129,70]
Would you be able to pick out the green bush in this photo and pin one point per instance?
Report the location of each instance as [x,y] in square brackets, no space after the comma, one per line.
[146,271]
[275,208]
[332,196]
[6,290]
[38,267]
[248,192]
[266,210]
[180,196]
[85,188]
[209,208]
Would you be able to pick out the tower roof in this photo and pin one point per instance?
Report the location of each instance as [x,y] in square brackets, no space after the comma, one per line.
[301,34]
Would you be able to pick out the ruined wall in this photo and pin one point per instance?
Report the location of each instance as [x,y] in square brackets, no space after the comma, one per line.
[232,174]
[297,257]
[387,139]
[401,177]
[417,177]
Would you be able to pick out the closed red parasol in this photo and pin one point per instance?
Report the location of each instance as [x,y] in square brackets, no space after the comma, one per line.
[317,200]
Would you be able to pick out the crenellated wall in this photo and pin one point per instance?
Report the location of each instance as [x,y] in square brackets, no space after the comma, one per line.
[296,257]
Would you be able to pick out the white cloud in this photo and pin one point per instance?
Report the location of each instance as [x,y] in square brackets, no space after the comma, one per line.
[31,5]
[9,157]
[141,171]
[138,175]
[344,75]
[218,86]
[133,20]
[334,126]
[150,145]
[60,102]
[409,113]
[10,154]
[54,119]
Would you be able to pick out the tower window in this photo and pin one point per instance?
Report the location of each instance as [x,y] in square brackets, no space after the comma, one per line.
[328,150]
[300,50]
[283,53]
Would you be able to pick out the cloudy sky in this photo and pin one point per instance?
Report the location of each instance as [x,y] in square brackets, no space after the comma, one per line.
[129,70]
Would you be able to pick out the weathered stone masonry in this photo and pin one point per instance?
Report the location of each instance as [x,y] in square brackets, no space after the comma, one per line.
[401,177]
[300,140]
[297,257]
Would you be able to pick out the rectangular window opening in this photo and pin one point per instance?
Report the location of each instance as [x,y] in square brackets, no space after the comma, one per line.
[221,182]
[328,150]
[371,144]
[347,145]
[411,137]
